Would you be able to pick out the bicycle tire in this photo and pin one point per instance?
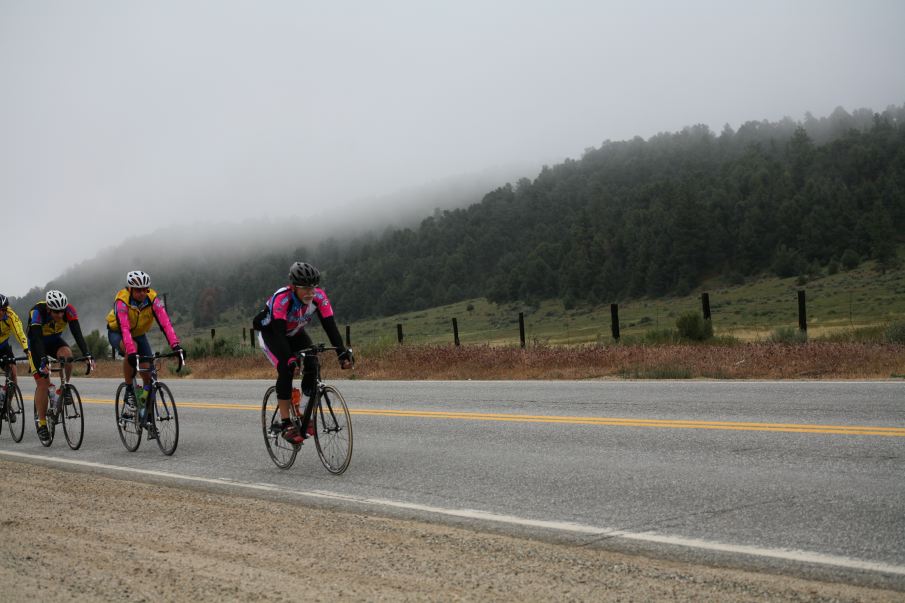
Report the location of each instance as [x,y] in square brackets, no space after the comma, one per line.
[4,414]
[281,452]
[165,419]
[15,408]
[129,429]
[51,426]
[72,416]
[333,430]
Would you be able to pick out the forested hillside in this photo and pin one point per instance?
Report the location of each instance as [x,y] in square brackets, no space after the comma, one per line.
[630,218]
[648,218]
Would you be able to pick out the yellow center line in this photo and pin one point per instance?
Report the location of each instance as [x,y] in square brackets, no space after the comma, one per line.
[608,421]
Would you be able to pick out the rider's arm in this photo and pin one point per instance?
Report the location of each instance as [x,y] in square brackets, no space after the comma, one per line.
[122,317]
[36,334]
[17,329]
[77,333]
[332,331]
[163,321]
[325,313]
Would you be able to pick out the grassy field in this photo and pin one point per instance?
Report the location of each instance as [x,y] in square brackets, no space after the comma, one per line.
[837,307]
[855,305]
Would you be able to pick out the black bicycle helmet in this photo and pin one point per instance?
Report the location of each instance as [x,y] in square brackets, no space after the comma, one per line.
[304,275]
[4,301]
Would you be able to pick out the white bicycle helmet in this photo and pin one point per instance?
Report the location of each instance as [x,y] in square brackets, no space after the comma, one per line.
[56,300]
[137,278]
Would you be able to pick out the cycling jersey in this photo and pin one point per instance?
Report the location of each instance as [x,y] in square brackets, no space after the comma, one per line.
[282,323]
[284,305]
[134,319]
[40,315]
[11,325]
[42,327]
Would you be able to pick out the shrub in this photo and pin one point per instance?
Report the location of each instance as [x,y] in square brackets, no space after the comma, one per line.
[788,335]
[850,259]
[895,333]
[692,325]
[787,262]
[661,336]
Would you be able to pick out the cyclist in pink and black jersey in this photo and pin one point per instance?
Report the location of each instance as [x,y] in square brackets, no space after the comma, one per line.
[282,325]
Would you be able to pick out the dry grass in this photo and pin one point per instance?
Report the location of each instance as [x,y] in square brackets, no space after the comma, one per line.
[814,360]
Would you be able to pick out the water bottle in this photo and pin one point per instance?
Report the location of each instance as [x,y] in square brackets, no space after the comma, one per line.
[54,399]
[296,400]
[141,399]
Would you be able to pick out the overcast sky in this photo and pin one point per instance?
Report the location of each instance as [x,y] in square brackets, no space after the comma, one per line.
[119,117]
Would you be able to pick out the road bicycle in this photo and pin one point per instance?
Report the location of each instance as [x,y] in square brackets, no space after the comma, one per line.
[325,411]
[64,404]
[157,416]
[11,407]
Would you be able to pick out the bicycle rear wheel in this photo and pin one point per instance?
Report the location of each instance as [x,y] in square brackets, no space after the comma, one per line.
[165,419]
[281,452]
[129,428]
[333,433]
[51,426]
[72,417]
[15,412]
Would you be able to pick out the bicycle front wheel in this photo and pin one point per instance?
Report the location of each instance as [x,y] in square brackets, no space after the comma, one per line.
[71,414]
[333,433]
[129,427]
[15,412]
[281,452]
[166,420]
[51,426]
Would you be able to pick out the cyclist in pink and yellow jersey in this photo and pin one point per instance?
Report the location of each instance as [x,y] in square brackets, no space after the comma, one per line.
[282,332]
[135,309]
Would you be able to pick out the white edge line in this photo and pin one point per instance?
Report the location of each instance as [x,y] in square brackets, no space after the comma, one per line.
[577,528]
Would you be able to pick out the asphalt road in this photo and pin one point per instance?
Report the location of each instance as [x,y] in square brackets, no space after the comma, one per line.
[778,474]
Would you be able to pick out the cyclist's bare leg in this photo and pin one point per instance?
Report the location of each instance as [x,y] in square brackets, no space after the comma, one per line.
[145,376]
[12,374]
[65,352]
[42,385]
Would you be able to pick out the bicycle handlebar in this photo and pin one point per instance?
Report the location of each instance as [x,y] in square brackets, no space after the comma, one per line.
[157,355]
[86,359]
[4,360]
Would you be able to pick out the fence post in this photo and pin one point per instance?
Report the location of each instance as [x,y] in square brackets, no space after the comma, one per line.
[455,331]
[705,305]
[243,334]
[348,336]
[802,311]
[251,336]
[521,328]
[399,332]
[112,353]
[213,333]
[614,320]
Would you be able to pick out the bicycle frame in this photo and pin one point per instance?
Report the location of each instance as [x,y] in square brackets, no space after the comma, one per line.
[64,379]
[8,362]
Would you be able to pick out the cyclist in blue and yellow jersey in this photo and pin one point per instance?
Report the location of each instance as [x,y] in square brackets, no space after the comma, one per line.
[135,309]
[46,322]
[10,325]
[282,327]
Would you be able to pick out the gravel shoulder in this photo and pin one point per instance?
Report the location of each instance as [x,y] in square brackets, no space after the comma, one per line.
[77,536]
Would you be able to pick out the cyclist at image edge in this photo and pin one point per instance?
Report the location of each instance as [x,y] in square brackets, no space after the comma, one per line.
[282,332]
[10,325]
[46,322]
[135,308]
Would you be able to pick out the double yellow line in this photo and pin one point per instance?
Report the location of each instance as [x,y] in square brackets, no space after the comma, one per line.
[862,430]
